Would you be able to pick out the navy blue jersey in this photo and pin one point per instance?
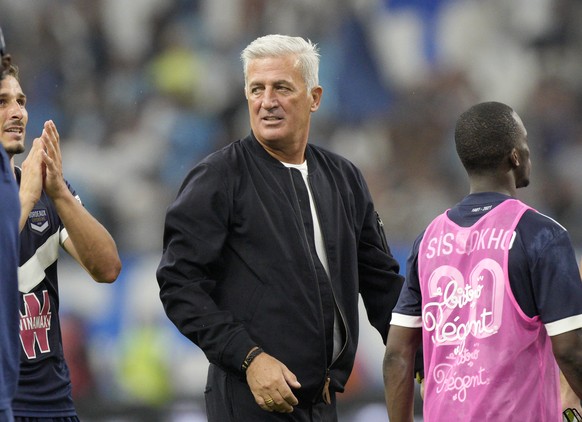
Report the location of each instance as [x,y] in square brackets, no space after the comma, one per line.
[44,388]
[9,342]
[543,271]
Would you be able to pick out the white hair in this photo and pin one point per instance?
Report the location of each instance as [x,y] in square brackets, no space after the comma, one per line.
[276,45]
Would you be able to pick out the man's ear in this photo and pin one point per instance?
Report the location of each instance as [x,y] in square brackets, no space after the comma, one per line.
[316,94]
[514,158]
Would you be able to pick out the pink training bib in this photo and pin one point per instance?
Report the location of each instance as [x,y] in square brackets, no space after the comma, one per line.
[485,360]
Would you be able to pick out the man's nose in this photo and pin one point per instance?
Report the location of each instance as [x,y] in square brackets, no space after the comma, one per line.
[269,99]
[15,110]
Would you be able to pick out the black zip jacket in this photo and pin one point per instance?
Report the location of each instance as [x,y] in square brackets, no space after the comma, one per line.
[236,272]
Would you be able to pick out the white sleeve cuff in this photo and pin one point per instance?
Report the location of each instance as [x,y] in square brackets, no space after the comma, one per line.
[409,321]
[564,325]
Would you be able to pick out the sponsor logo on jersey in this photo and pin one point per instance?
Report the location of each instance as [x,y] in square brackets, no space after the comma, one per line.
[38,219]
[35,324]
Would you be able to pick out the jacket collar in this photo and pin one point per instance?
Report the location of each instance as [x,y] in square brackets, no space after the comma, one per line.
[257,149]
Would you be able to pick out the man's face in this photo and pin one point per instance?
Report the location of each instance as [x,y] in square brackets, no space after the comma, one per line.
[523,172]
[13,116]
[279,105]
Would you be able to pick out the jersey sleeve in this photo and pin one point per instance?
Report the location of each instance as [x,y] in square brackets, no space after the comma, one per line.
[557,287]
[408,309]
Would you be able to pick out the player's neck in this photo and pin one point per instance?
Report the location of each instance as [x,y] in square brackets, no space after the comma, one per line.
[488,184]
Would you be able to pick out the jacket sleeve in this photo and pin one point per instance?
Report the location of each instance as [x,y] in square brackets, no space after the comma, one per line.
[380,281]
[195,230]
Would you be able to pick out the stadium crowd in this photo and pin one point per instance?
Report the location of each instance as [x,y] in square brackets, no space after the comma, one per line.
[143,89]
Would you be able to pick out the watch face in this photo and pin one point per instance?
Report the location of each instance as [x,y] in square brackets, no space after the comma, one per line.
[572,415]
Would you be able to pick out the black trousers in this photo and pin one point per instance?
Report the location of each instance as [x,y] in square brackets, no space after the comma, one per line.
[229,399]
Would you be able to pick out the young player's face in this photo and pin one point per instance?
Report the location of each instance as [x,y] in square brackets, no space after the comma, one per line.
[13,116]
[524,170]
[279,105]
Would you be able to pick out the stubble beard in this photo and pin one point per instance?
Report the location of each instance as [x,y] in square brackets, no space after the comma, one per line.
[14,148]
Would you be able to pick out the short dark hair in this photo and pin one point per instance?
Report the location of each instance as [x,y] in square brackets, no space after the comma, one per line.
[12,70]
[484,135]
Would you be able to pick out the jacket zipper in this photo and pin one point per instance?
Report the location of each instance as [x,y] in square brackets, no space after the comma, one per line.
[381,232]
[328,364]
[326,395]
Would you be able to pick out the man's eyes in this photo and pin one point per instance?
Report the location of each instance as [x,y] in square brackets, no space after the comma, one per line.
[4,102]
[258,89]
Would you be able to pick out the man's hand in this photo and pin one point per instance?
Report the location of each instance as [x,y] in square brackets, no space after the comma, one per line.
[270,382]
[54,182]
[42,169]
[31,179]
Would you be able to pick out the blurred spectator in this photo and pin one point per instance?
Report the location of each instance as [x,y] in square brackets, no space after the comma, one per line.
[74,335]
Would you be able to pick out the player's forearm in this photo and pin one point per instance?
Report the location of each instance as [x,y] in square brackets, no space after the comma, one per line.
[573,373]
[92,245]
[567,349]
[399,387]
[568,397]
[26,204]
[28,193]
[400,400]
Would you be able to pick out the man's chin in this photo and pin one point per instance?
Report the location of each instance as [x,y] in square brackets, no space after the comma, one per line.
[523,184]
[14,149]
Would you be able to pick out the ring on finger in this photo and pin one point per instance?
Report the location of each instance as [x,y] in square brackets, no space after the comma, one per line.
[269,402]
